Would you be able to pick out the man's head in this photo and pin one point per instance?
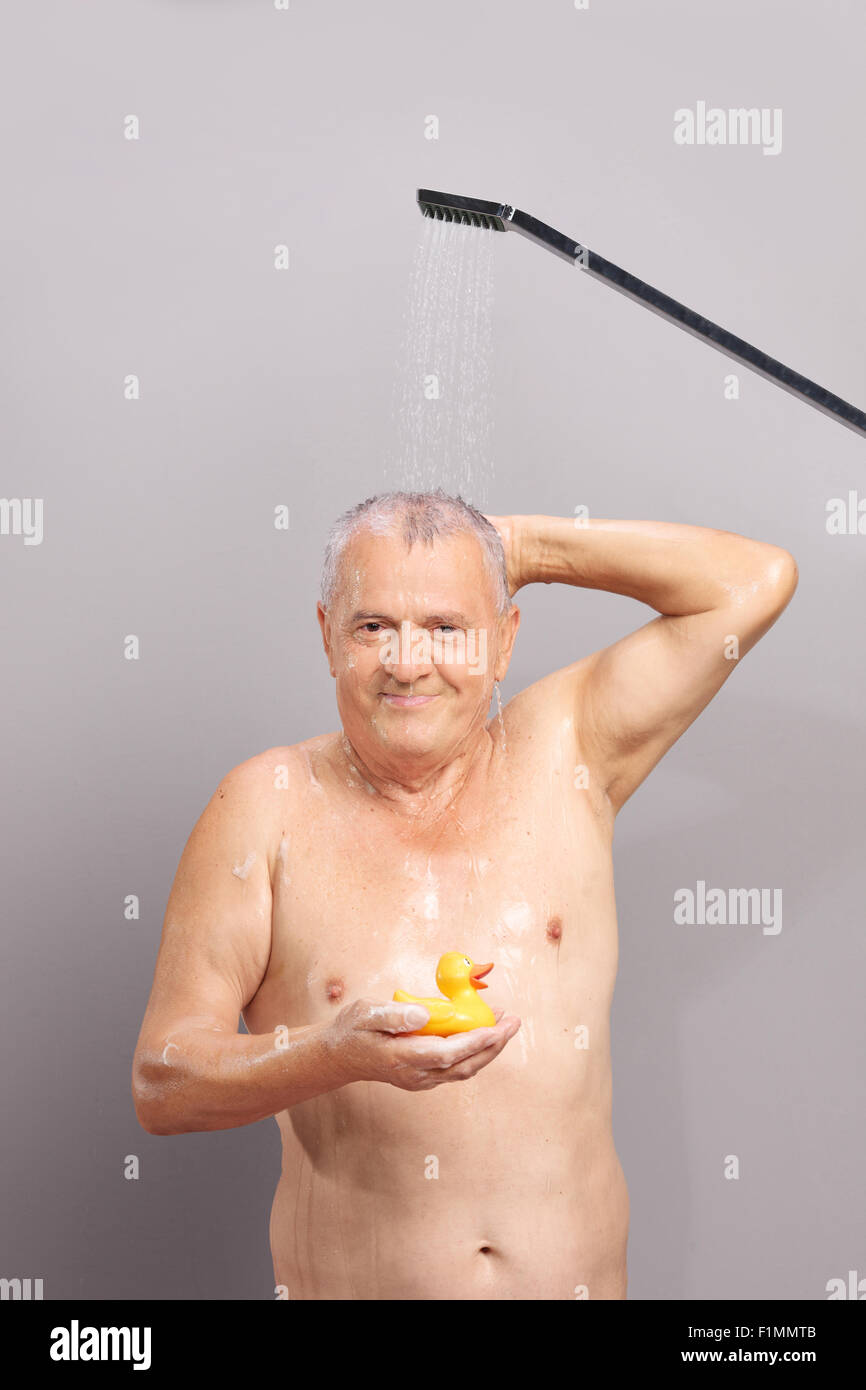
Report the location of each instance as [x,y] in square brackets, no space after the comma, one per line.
[417,623]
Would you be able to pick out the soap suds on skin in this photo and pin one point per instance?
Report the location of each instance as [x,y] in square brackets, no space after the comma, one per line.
[508,963]
[525,1043]
[431,897]
[312,776]
[516,919]
[739,593]
[408,968]
[354,770]
[283,856]
[243,870]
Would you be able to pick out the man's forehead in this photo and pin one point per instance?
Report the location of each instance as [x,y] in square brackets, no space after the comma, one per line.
[394,594]
[446,597]
[368,547]
[438,570]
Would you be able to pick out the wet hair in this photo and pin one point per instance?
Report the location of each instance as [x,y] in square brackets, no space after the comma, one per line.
[418,516]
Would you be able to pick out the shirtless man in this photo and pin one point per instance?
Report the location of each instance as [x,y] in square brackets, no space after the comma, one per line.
[324,875]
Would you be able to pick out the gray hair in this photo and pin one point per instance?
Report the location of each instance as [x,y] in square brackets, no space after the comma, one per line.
[420,516]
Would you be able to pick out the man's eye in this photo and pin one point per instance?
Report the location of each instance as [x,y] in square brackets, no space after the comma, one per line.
[367,627]
[445,627]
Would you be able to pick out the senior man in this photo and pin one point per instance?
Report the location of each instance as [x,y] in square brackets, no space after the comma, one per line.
[324,874]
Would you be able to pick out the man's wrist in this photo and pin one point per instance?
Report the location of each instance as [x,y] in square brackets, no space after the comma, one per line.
[530,549]
[330,1052]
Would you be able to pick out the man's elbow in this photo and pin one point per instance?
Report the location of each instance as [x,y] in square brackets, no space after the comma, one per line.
[763,581]
[782,576]
[152,1124]
[149,1118]
[148,1096]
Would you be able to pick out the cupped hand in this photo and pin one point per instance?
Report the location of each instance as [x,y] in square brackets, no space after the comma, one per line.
[371,1044]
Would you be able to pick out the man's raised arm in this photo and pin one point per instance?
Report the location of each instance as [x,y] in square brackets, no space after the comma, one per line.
[717,594]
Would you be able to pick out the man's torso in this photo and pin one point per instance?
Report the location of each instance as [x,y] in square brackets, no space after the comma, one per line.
[506,1185]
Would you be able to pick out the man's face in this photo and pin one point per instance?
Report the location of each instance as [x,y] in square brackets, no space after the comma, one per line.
[415,643]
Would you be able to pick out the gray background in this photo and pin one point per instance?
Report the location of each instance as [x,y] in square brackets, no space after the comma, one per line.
[259,388]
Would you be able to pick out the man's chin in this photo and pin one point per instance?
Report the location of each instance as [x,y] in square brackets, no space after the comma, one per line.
[411,735]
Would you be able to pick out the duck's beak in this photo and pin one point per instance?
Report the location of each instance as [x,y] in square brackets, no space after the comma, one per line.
[477,971]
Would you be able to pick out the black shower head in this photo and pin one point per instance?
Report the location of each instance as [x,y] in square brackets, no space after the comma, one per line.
[453,207]
[501,217]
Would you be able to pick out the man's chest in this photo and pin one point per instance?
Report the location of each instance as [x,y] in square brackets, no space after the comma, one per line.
[362,908]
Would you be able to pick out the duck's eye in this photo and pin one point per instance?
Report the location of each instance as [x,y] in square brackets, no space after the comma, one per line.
[466,962]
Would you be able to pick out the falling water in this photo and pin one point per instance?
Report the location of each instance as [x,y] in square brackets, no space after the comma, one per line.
[499,715]
[442,408]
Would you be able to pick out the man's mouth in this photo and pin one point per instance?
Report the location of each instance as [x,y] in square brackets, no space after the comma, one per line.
[407,701]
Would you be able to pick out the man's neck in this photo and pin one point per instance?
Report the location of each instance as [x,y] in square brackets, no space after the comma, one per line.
[415,789]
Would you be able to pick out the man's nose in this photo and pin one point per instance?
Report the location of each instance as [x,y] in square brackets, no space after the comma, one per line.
[409,656]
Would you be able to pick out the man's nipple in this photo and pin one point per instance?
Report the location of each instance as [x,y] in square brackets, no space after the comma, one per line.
[554,929]
[334,989]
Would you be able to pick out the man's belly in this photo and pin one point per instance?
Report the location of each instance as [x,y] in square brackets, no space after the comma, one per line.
[505,1186]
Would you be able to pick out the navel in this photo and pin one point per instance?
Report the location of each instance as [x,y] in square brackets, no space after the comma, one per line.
[554,929]
[335,989]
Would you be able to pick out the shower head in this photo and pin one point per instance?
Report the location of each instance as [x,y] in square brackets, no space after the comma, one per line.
[501,217]
[452,207]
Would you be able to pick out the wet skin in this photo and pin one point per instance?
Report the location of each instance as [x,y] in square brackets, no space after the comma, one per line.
[416,829]
[529,1198]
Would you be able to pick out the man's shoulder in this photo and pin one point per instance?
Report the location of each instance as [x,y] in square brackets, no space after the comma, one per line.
[275,770]
[268,793]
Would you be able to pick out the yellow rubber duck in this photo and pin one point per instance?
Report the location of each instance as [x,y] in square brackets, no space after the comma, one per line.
[460,979]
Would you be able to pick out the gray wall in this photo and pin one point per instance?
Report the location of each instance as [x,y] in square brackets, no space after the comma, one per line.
[154,257]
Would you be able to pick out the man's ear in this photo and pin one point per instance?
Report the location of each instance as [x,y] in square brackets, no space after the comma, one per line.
[508,625]
[325,624]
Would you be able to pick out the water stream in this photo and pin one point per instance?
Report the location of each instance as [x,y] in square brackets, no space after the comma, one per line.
[441,425]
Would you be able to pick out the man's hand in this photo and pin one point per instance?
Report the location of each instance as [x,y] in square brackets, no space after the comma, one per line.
[509,529]
[369,1043]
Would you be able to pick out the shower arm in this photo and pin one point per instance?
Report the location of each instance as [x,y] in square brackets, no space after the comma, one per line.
[502,217]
